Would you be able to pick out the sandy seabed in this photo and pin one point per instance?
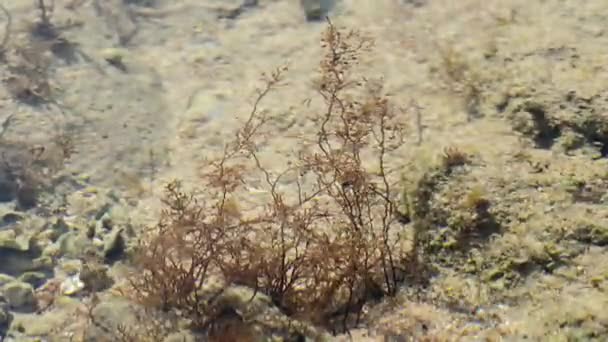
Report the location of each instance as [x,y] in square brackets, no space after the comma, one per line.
[149,90]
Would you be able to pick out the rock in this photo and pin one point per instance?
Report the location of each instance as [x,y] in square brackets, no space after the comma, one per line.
[71,285]
[10,218]
[145,3]
[95,277]
[115,57]
[415,3]
[49,325]
[5,279]
[27,196]
[110,314]
[117,17]
[20,296]
[58,228]
[8,185]
[15,262]
[103,210]
[182,336]
[43,264]
[74,244]
[7,189]
[70,266]
[51,250]
[106,221]
[19,178]
[36,279]
[89,203]
[9,239]
[6,318]
[316,10]
[114,246]
[234,12]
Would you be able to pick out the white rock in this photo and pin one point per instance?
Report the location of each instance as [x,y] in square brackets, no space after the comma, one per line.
[72,285]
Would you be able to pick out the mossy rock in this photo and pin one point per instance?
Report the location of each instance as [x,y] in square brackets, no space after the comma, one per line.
[316,10]
[591,233]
